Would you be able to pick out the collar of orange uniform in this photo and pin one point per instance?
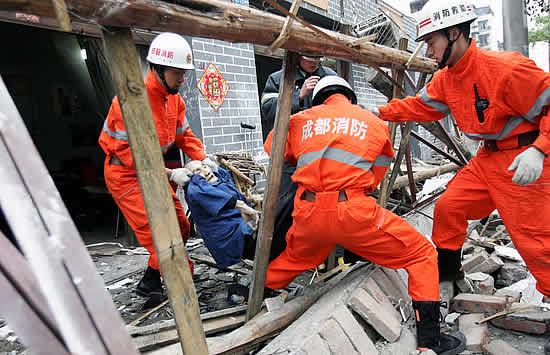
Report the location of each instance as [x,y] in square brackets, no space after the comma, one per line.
[336,99]
[154,86]
[462,67]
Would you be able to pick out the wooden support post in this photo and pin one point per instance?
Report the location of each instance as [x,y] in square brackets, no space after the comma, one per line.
[407,132]
[412,185]
[161,214]
[62,15]
[271,194]
[403,145]
[384,186]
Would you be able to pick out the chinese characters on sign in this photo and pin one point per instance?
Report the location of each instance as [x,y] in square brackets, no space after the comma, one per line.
[213,86]
[339,125]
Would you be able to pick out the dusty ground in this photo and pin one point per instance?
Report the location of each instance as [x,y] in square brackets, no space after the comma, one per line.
[122,272]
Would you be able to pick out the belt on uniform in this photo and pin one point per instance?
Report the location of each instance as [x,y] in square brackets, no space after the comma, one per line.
[310,196]
[520,140]
[115,161]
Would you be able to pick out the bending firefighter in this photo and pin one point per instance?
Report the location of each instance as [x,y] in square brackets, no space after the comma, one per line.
[169,57]
[341,153]
[501,99]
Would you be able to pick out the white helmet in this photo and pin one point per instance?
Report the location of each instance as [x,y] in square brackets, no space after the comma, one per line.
[437,15]
[171,50]
[329,85]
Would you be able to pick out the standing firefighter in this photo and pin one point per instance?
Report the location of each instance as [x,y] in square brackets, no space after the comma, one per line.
[341,152]
[169,57]
[502,99]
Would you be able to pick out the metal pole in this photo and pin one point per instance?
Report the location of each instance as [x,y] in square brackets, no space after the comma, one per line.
[514,21]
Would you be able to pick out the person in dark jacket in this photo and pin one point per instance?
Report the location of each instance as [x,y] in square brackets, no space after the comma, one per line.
[309,72]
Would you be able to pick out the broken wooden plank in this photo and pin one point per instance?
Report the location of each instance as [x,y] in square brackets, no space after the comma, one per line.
[161,214]
[237,172]
[75,293]
[171,324]
[340,288]
[224,21]
[425,174]
[28,313]
[271,195]
[170,336]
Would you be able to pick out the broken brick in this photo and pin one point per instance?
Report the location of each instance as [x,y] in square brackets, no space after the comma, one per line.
[337,340]
[377,316]
[472,303]
[353,330]
[476,334]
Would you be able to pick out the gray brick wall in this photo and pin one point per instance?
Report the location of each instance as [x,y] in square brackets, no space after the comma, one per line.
[221,129]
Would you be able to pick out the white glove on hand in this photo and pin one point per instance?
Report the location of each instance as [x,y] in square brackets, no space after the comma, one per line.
[210,163]
[375,111]
[529,166]
[248,213]
[181,176]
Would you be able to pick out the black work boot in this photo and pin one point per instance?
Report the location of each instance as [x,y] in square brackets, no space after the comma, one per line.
[547,348]
[150,283]
[450,264]
[428,334]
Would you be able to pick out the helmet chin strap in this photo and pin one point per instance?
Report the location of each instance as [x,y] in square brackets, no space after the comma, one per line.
[449,48]
[160,71]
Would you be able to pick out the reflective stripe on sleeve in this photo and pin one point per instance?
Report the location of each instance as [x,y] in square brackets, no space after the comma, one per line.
[180,130]
[269,96]
[120,135]
[542,101]
[436,105]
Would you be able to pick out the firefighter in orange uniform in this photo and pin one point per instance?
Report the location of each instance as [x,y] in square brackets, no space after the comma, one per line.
[169,57]
[500,98]
[341,153]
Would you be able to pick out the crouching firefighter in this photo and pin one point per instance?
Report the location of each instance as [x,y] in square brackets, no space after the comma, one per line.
[341,153]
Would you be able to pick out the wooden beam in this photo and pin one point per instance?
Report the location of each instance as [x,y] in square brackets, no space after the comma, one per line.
[385,190]
[145,147]
[283,36]
[237,172]
[425,174]
[271,194]
[228,22]
[27,313]
[272,322]
[62,15]
[83,309]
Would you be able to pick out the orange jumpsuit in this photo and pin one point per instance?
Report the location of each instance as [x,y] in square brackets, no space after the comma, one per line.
[518,93]
[338,147]
[172,128]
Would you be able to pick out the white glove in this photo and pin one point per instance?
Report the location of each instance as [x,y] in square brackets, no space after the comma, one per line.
[181,176]
[374,110]
[249,214]
[210,163]
[529,166]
